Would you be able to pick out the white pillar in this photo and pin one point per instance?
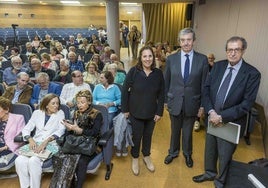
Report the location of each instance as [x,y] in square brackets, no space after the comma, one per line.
[112,22]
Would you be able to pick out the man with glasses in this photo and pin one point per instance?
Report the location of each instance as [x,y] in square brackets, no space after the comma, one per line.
[230,104]
[69,90]
[10,73]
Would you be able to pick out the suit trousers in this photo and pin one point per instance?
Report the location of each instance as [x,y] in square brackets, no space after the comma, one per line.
[181,124]
[142,131]
[29,170]
[217,148]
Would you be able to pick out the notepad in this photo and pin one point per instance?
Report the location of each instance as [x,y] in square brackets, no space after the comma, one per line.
[229,131]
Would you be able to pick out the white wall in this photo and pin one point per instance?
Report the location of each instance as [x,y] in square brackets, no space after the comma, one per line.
[218,20]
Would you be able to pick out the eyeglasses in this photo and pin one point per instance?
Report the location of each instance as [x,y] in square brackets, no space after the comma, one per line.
[78,76]
[236,50]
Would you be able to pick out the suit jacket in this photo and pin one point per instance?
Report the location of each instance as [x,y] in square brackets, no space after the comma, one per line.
[52,88]
[42,130]
[180,96]
[241,95]
[24,97]
[14,126]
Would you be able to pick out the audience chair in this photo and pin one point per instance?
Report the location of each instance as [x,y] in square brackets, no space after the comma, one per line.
[106,144]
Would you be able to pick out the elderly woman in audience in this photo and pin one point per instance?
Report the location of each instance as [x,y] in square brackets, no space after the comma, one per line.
[107,94]
[91,74]
[119,77]
[47,124]
[87,122]
[10,126]
[10,73]
[96,59]
[64,74]
[47,63]
[21,92]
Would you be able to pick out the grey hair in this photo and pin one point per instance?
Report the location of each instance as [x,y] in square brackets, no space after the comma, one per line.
[22,74]
[66,62]
[186,31]
[235,39]
[43,75]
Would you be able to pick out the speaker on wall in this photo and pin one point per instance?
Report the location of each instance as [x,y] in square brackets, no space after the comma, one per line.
[189,12]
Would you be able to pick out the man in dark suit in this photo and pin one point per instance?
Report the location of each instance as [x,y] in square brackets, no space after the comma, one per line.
[238,99]
[185,76]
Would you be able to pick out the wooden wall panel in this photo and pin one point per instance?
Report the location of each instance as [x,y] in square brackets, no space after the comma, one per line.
[52,16]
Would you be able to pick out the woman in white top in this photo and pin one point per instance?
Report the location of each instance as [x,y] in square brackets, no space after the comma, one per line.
[47,124]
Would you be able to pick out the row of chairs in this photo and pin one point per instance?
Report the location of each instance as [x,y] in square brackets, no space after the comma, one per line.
[106,141]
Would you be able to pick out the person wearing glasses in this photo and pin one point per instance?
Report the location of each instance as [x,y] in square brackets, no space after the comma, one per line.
[69,90]
[239,96]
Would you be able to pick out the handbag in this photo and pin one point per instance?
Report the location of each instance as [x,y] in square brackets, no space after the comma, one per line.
[79,145]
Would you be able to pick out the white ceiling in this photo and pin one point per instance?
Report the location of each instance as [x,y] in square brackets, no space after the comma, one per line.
[89,2]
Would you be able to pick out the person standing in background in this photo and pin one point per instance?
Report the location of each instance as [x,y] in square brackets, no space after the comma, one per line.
[134,37]
[185,75]
[143,103]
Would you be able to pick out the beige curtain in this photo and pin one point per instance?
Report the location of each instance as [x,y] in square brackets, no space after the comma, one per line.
[163,21]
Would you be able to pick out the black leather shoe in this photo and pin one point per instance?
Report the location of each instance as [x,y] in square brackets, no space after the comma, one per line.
[189,161]
[169,159]
[201,178]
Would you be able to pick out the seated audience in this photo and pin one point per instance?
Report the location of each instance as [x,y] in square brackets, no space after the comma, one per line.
[62,50]
[211,61]
[55,54]
[105,56]
[91,74]
[48,63]
[114,59]
[119,77]
[10,73]
[10,126]
[87,122]
[29,49]
[71,42]
[21,92]
[64,74]
[79,38]
[35,43]
[48,127]
[107,94]
[41,46]
[84,45]
[2,58]
[47,41]
[69,90]
[75,64]
[16,52]
[37,68]
[42,88]
[96,59]
[98,45]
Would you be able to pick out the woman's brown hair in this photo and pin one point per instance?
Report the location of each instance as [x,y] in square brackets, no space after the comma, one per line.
[139,64]
[46,100]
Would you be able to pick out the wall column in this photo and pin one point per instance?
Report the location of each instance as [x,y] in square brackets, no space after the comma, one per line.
[112,22]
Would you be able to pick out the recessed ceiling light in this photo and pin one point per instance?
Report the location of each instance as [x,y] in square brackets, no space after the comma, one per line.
[129,12]
[8,0]
[70,2]
[129,3]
